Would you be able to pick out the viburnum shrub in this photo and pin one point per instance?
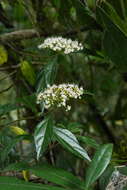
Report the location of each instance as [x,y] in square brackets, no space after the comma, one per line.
[63,98]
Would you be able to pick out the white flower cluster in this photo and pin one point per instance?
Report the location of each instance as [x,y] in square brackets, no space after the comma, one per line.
[59,95]
[61,44]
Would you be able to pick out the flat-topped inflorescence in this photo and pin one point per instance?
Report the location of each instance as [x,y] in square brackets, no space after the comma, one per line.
[61,44]
[58,95]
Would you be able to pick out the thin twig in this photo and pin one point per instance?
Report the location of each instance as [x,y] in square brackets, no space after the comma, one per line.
[21,119]
[32,33]
[8,76]
[5,90]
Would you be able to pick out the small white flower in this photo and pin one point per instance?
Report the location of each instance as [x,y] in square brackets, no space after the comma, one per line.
[59,95]
[61,44]
[68,108]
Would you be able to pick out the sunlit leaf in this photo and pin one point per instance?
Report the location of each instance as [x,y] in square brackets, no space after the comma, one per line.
[42,135]
[69,141]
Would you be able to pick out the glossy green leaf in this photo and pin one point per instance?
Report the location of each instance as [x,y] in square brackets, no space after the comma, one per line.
[42,135]
[47,75]
[69,141]
[89,141]
[12,183]
[98,164]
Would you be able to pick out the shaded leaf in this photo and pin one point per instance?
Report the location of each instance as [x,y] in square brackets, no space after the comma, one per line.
[29,102]
[17,167]
[52,174]
[114,17]
[9,183]
[7,108]
[114,41]
[105,178]
[122,170]
[8,148]
[47,75]
[57,176]
[89,141]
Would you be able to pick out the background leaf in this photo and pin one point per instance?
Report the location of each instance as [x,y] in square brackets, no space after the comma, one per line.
[4,109]
[47,75]
[7,149]
[28,72]
[3,55]
[89,141]
[114,41]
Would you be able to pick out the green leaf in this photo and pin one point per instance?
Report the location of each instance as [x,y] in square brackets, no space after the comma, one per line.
[7,149]
[105,178]
[69,141]
[28,72]
[3,55]
[17,167]
[9,183]
[114,41]
[29,102]
[125,188]
[57,176]
[122,170]
[52,174]
[114,17]
[83,13]
[89,141]
[47,75]
[64,13]
[42,135]
[7,108]
[98,165]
